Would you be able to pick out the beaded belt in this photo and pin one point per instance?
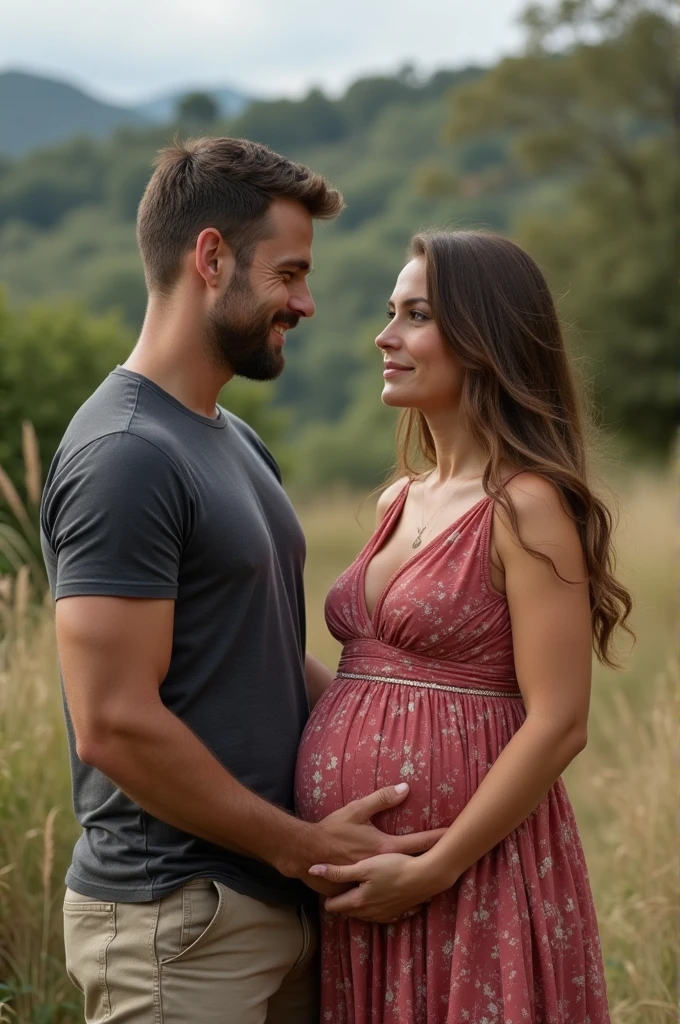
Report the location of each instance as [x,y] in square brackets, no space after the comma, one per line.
[469,690]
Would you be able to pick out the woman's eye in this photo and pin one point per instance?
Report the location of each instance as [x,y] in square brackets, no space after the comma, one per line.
[389,314]
[418,316]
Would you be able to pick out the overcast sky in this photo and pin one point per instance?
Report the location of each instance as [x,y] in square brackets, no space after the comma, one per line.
[131,50]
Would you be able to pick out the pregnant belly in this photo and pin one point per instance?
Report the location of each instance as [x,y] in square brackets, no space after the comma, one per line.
[363,735]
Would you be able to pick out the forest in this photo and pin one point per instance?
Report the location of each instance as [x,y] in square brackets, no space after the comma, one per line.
[567,147]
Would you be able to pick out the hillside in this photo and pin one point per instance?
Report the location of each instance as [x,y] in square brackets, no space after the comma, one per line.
[37,111]
[492,148]
[67,215]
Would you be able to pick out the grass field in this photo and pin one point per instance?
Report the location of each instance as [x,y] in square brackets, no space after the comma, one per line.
[623,786]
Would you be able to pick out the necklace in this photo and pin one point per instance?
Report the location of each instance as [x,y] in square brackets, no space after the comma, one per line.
[418,541]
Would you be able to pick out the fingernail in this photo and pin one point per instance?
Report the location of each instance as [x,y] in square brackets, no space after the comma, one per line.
[402,787]
[317,869]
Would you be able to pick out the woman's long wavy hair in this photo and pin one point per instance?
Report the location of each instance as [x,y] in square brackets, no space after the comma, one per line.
[494,310]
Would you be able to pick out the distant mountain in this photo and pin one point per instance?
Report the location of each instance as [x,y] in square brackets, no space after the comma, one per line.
[161,110]
[38,111]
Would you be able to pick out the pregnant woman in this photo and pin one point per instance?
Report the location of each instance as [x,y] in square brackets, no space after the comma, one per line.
[467,625]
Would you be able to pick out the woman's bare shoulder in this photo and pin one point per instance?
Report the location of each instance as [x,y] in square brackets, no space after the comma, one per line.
[543,519]
[389,495]
[535,496]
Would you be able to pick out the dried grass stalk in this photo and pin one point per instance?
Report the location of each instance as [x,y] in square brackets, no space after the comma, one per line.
[16,506]
[33,467]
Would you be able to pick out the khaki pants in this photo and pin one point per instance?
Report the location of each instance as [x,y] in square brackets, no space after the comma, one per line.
[202,955]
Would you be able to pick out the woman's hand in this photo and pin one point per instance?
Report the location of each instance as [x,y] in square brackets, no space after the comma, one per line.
[390,886]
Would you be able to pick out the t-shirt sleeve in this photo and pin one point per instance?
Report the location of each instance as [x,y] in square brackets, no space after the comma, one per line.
[117,517]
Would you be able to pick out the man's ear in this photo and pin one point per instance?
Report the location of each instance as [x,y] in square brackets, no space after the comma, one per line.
[213,257]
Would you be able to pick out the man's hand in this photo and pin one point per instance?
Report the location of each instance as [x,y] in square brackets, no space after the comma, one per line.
[390,886]
[350,835]
[347,836]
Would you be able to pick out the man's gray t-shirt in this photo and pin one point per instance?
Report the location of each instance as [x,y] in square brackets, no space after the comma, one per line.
[147,499]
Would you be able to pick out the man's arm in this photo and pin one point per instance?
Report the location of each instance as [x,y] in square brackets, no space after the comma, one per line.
[115,653]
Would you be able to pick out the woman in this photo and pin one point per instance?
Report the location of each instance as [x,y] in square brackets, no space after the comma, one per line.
[467,623]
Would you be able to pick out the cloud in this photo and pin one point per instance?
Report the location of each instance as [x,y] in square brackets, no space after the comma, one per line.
[134,48]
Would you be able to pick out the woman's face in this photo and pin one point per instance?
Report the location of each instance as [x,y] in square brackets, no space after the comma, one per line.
[420,371]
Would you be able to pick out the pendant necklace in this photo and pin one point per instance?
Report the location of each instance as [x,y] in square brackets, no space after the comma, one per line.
[418,541]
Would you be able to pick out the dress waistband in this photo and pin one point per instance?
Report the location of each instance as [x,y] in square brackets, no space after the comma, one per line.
[469,691]
[379,662]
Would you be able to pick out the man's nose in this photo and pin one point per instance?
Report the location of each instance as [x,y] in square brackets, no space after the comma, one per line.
[302,303]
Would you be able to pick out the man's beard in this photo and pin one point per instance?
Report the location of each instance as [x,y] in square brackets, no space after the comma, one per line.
[239,329]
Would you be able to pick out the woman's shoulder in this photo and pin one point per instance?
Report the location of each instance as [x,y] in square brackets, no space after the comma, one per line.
[388,496]
[534,495]
[543,518]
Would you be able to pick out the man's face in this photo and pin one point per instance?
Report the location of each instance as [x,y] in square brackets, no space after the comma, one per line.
[247,324]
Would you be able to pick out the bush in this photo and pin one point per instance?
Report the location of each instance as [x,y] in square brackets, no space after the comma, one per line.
[53,358]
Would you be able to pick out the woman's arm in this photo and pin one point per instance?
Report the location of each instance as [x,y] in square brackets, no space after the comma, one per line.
[551,632]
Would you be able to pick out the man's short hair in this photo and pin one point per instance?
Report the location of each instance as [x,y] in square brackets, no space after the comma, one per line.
[223,183]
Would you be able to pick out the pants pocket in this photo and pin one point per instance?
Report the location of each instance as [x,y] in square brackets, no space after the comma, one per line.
[186,919]
[89,928]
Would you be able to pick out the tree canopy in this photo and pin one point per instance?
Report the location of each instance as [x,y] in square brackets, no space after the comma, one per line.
[603,116]
[567,147]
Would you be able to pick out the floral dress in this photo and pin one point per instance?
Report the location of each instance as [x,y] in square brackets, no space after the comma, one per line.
[426,693]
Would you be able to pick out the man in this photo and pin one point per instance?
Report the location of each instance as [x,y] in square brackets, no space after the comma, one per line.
[176,562]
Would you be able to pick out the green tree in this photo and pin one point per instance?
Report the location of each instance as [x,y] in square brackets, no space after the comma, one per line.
[127,180]
[197,110]
[358,449]
[600,112]
[367,98]
[49,183]
[52,360]
[290,125]
[117,284]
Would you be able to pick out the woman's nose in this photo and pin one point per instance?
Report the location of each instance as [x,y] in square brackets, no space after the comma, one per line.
[387,338]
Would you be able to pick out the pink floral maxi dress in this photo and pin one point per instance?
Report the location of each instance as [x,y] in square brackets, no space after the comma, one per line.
[426,693]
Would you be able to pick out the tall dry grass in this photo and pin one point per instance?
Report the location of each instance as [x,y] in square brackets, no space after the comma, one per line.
[37,829]
[632,849]
[624,786]
[19,530]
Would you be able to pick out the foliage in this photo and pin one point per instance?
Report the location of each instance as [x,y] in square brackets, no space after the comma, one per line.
[567,148]
[52,360]
[288,125]
[45,185]
[197,110]
[604,115]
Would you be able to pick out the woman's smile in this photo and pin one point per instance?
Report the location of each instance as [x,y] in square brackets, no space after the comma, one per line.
[392,369]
